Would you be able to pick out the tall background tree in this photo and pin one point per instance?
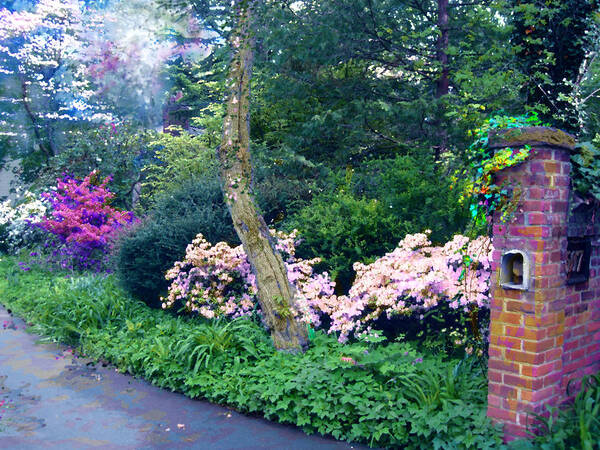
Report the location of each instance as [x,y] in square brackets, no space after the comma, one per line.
[551,40]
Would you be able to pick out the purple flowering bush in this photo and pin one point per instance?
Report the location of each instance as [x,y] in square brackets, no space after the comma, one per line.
[81,223]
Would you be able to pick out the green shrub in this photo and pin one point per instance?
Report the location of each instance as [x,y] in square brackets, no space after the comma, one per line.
[341,229]
[284,182]
[416,194]
[385,395]
[376,206]
[177,159]
[145,252]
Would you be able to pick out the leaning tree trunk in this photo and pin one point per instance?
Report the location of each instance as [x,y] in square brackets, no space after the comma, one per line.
[275,293]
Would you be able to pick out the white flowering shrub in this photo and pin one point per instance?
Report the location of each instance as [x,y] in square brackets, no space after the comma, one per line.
[16,222]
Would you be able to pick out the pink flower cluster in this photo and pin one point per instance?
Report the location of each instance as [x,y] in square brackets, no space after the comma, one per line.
[413,278]
[217,280]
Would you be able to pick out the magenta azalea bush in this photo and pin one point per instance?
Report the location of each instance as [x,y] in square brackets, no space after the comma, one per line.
[217,281]
[82,221]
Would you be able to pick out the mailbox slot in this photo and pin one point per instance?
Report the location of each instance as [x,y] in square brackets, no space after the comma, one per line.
[514,271]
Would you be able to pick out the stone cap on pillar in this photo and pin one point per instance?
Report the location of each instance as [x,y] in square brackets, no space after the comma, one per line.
[518,137]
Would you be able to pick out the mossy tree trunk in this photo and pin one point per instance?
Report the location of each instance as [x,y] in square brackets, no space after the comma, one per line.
[275,293]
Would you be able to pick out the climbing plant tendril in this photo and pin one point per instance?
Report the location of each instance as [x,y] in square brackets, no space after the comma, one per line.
[482,192]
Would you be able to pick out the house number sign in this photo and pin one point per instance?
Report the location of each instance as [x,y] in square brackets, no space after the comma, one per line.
[578,260]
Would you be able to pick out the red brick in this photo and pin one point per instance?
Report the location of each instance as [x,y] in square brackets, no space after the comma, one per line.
[591,360]
[507,342]
[560,181]
[556,256]
[553,193]
[525,416]
[552,166]
[536,245]
[541,153]
[591,349]
[588,295]
[525,333]
[516,306]
[506,366]
[552,379]
[571,320]
[496,329]
[539,346]
[564,194]
[495,352]
[533,231]
[573,298]
[558,305]
[501,414]
[544,321]
[578,354]
[517,381]
[495,376]
[593,326]
[537,167]
[495,401]
[541,180]
[528,358]
[533,205]
[560,207]
[501,390]
[508,294]
[513,431]
[537,218]
[573,366]
[553,354]
[590,370]
[537,371]
[549,270]
[506,317]
[556,330]
[542,394]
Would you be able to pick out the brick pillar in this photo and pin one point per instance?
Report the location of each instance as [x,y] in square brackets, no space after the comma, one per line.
[527,320]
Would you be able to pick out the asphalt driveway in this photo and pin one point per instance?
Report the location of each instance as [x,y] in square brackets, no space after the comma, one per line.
[50,398]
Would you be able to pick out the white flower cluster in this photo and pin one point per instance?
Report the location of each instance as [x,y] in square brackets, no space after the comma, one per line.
[16,219]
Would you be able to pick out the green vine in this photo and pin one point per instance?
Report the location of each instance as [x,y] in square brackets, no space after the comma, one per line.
[484,195]
[586,168]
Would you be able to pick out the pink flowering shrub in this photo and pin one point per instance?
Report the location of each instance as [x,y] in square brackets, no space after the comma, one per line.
[218,281]
[413,278]
[82,220]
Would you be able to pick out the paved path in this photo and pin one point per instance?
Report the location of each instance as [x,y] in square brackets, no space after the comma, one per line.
[51,399]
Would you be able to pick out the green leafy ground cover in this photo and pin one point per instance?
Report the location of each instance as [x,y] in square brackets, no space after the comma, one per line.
[385,395]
